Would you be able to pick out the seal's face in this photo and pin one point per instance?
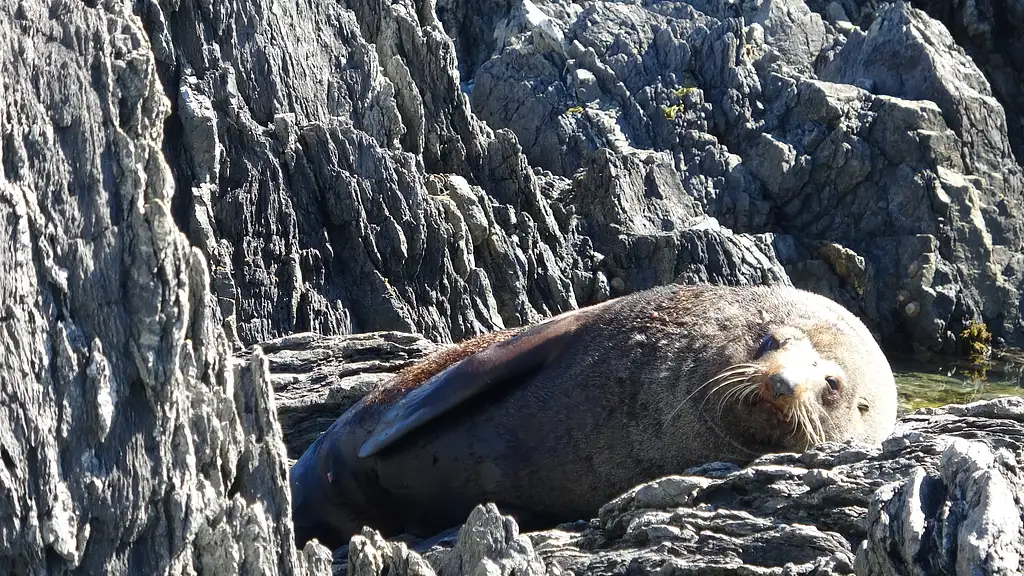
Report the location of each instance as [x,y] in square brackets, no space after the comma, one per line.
[801,387]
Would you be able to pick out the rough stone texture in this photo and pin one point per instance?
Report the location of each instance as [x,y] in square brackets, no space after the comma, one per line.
[316,378]
[339,183]
[331,168]
[885,142]
[329,174]
[130,440]
[488,544]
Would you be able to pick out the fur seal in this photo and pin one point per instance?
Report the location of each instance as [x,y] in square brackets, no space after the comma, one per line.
[553,420]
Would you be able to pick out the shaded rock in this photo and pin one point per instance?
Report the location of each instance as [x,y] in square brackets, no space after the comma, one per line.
[315,379]
[372,198]
[990,33]
[329,176]
[356,192]
[883,140]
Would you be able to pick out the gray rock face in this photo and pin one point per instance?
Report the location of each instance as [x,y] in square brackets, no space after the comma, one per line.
[314,378]
[130,440]
[943,495]
[184,178]
[488,544]
[345,181]
[340,183]
[885,140]
[989,32]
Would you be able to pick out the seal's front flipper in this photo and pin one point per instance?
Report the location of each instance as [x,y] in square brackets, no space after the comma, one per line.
[499,365]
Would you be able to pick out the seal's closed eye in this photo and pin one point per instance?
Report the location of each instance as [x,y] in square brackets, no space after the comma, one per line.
[767,345]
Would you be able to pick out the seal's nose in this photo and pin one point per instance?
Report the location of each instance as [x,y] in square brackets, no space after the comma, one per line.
[781,385]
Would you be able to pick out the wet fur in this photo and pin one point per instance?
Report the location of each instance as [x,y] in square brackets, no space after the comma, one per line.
[620,404]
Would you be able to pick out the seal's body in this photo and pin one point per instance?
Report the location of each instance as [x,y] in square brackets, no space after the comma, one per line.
[552,421]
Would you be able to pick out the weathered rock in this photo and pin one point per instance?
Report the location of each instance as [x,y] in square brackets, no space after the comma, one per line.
[370,198]
[488,544]
[965,519]
[338,182]
[369,554]
[324,163]
[316,378]
[990,32]
[904,151]
[130,440]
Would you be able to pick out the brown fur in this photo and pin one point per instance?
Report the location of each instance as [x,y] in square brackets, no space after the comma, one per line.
[412,376]
[592,403]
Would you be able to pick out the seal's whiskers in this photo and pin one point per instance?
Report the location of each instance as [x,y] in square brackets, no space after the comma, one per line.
[729,376]
[821,428]
[831,422]
[733,393]
[738,383]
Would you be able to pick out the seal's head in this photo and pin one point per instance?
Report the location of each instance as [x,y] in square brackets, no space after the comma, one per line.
[805,381]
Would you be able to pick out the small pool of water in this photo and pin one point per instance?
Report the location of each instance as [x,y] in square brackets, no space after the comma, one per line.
[925,384]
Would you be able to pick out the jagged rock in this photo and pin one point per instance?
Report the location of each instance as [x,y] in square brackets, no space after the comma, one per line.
[990,32]
[488,544]
[329,175]
[130,440]
[352,202]
[370,555]
[373,198]
[976,526]
[957,87]
[942,494]
[904,142]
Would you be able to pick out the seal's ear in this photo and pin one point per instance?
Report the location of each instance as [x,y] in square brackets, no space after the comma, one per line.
[502,364]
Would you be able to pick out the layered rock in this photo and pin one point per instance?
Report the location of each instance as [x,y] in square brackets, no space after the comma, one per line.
[130,440]
[884,144]
[183,178]
[330,169]
[456,168]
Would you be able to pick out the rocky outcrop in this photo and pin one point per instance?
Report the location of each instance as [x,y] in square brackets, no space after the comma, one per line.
[130,440]
[625,145]
[942,495]
[884,144]
[989,32]
[314,379]
[342,185]
[181,179]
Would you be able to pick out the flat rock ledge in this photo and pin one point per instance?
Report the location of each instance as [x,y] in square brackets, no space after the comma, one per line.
[943,495]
